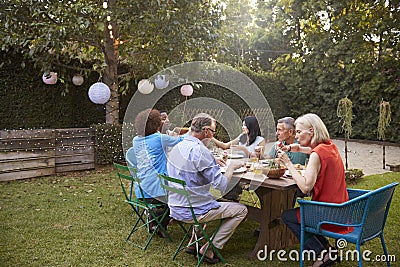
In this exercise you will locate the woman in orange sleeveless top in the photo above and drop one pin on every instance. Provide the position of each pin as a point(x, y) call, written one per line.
point(324, 178)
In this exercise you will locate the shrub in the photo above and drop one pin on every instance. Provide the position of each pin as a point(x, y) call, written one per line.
point(354, 175)
point(108, 143)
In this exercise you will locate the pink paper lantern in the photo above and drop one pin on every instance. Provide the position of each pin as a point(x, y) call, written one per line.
point(50, 78)
point(186, 90)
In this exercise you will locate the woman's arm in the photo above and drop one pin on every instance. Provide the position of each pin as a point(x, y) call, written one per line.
point(223, 145)
point(297, 148)
point(306, 182)
point(260, 147)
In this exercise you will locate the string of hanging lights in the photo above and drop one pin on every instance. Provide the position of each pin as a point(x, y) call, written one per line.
point(109, 26)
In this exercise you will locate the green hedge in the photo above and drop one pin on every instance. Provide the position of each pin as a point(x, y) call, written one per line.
point(28, 103)
point(108, 143)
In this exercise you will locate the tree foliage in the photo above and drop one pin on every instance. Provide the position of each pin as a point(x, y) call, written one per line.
point(123, 40)
point(332, 49)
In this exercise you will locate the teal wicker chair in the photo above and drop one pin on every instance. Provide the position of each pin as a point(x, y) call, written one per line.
point(365, 211)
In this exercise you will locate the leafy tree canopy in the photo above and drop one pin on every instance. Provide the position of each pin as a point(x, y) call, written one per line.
point(121, 39)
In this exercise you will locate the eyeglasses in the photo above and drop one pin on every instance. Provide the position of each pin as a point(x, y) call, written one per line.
point(206, 128)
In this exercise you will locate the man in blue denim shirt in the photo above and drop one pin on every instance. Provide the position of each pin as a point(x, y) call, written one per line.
point(191, 161)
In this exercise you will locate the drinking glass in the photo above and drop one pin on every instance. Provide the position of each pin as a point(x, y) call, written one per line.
point(258, 167)
point(253, 158)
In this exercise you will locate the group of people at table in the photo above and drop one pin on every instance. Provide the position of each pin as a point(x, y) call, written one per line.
point(186, 157)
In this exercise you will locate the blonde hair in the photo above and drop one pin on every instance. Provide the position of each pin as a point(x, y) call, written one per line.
point(312, 121)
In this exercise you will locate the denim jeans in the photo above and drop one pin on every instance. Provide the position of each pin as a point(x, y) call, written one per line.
point(317, 243)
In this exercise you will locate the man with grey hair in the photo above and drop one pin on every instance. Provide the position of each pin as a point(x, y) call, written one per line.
point(191, 161)
point(286, 133)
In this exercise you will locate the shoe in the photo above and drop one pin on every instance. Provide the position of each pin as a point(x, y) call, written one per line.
point(328, 261)
point(212, 260)
point(161, 234)
point(191, 251)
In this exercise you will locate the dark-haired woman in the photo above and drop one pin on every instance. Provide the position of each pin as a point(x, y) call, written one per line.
point(248, 140)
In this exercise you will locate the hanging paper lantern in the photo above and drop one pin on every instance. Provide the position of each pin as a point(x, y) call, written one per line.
point(49, 78)
point(77, 80)
point(145, 87)
point(99, 93)
point(186, 90)
point(161, 82)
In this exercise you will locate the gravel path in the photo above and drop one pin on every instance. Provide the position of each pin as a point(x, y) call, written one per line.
point(366, 156)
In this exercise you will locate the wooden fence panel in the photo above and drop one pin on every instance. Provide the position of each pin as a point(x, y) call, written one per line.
point(24, 154)
point(74, 149)
point(33, 153)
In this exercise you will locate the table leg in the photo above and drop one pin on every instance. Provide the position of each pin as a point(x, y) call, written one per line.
point(273, 233)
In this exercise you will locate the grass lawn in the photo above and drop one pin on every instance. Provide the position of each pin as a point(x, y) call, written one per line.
point(80, 219)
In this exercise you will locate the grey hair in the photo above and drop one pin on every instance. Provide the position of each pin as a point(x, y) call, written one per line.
point(288, 121)
point(200, 121)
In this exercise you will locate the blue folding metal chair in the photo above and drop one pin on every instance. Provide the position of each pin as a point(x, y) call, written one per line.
point(366, 211)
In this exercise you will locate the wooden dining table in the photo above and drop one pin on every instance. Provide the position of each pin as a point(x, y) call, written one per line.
point(275, 196)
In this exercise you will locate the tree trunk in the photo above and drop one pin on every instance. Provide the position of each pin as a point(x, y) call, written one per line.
point(111, 71)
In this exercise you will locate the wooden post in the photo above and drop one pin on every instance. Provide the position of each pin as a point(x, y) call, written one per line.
point(383, 123)
point(383, 154)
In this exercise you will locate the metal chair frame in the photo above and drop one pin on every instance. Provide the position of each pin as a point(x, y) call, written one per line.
point(146, 218)
point(196, 227)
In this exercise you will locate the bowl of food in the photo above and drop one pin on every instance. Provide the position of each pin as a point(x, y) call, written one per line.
point(276, 173)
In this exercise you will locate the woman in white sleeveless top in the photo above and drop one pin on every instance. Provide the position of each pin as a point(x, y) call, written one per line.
point(248, 140)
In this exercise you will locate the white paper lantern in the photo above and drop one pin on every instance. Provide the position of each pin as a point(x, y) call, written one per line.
point(77, 80)
point(145, 87)
point(99, 93)
point(161, 82)
point(50, 78)
point(186, 90)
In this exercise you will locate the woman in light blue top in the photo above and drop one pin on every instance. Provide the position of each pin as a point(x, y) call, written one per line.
point(149, 155)
point(248, 140)
point(150, 152)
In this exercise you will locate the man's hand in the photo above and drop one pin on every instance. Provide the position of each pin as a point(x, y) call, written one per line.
point(221, 162)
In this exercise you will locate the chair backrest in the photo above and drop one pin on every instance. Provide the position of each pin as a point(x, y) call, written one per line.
point(376, 211)
point(130, 157)
point(353, 193)
point(177, 186)
point(126, 173)
point(131, 160)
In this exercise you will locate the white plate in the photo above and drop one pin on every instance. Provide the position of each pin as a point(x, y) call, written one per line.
point(264, 161)
point(235, 156)
point(240, 170)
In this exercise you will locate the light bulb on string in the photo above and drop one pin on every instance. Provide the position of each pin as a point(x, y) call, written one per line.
point(105, 5)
